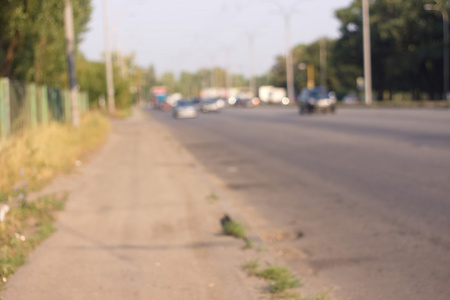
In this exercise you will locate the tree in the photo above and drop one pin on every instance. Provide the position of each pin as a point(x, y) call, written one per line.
point(32, 43)
point(406, 47)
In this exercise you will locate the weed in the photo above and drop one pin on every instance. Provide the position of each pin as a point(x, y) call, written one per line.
point(212, 197)
point(248, 243)
point(261, 249)
point(280, 278)
point(234, 228)
point(24, 228)
point(251, 267)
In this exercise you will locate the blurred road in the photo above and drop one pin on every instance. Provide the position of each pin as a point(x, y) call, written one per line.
point(361, 199)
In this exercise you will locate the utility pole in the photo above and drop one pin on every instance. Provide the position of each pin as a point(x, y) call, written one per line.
point(251, 60)
point(289, 67)
point(251, 49)
point(323, 62)
point(443, 9)
point(227, 50)
point(367, 54)
point(286, 13)
point(108, 63)
point(70, 53)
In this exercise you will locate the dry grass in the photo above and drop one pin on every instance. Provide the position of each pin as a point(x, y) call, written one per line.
point(28, 161)
point(37, 156)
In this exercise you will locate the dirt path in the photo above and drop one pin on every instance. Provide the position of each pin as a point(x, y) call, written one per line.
point(138, 225)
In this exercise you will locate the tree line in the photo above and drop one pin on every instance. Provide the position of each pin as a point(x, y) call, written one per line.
point(407, 53)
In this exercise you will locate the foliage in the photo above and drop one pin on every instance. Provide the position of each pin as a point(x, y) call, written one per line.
point(32, 39)
point(406, 47)
point(91, 78)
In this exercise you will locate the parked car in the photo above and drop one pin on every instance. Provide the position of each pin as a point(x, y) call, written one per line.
point(317, 99)
point(215, 105)
point(185, 109)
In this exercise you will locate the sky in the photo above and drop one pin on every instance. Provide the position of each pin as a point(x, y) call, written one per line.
point(187, 35)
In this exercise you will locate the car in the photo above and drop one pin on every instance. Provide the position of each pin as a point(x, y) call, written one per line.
point(350, 99)
point(197, 103)
point(215, 105)
point(245, 102)
point(185, 109)
point(317, 99)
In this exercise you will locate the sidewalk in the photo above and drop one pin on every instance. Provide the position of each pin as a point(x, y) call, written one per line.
point(138, 225)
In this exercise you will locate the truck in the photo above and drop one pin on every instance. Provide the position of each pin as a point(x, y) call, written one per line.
point(270, 94)
point(159, 96)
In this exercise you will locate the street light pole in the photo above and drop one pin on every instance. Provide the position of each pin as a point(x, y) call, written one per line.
point(108, 63)
point(289, 67)
point(442, 8)
point(286, 13)
point(323, 62)
point(70, 52)
point(251, 49)
point(446, 53)
point(251, 59)
point(367, 54)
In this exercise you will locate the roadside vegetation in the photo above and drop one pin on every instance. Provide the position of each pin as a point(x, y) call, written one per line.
point(25, 226)
point(281, 281)
point(33, 158)
point(29, 161)
point(234, 228)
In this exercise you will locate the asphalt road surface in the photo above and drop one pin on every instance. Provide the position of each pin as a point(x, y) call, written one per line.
point(361, 199)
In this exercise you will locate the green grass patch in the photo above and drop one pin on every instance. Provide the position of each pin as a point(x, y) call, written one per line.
point(280, 278)
point(248, 243)
point(251, 267)
point(25, 226)
point(234, 228)
point(212, 197)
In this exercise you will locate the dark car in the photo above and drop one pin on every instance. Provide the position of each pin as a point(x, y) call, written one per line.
point(215, 105)
point(317, 99)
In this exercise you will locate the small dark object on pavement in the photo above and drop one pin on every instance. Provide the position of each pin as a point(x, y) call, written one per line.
point(225, 220)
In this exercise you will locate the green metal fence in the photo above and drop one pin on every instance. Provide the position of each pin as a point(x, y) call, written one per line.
point(26, 105)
